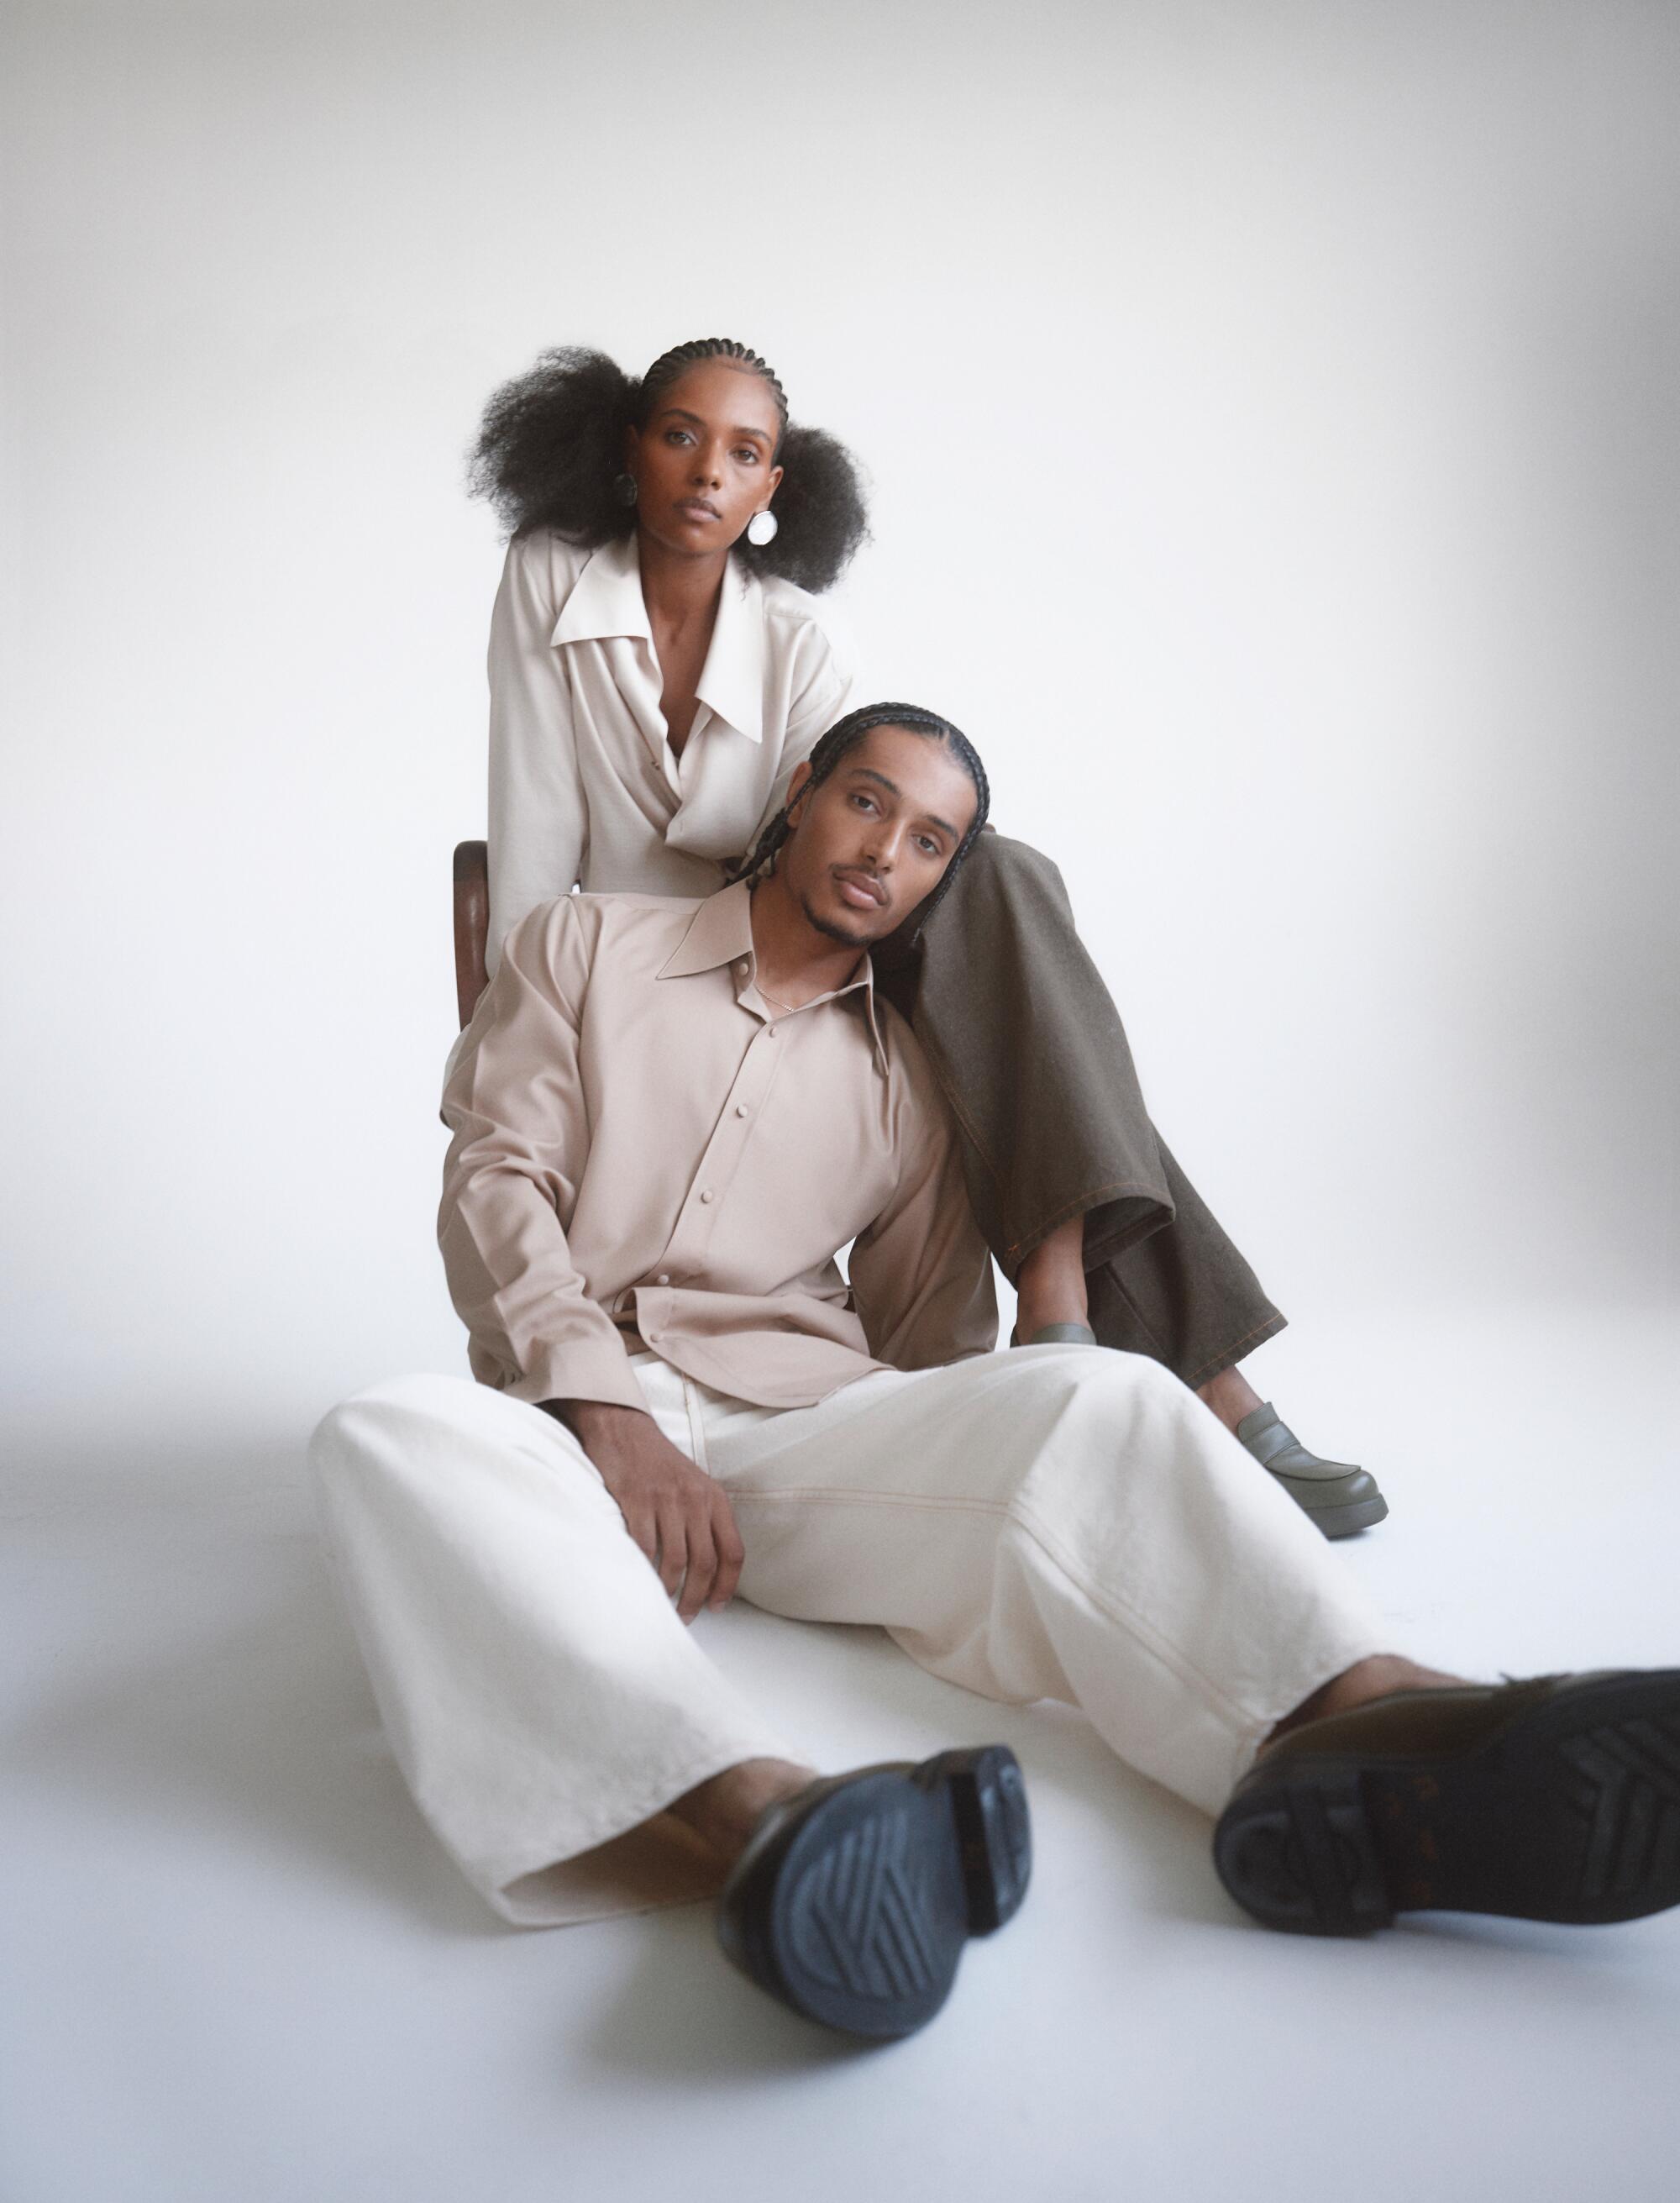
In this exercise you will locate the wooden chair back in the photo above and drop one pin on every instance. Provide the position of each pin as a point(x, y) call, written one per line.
point(472, 923)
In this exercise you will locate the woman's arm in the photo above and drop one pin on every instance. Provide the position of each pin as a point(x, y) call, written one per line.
point(819, 693)
point(539, 824)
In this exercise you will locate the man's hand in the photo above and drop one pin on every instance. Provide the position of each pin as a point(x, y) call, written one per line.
point(678, 1517)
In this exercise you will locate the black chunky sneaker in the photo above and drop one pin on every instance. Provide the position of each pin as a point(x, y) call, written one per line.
point(1556, 1798)
point(853, 1899)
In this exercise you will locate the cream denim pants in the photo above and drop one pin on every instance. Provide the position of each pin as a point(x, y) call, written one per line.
point(1052, 1522)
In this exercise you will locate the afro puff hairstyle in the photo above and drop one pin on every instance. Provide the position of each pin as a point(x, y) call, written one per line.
point(551, 445)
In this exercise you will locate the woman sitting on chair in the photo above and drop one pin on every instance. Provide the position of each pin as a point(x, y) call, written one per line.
point(658, 667)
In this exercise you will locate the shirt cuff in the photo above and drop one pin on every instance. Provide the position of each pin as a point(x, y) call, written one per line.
point(581, 1369)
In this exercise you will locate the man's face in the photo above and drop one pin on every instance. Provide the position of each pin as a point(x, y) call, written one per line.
point(873, 840)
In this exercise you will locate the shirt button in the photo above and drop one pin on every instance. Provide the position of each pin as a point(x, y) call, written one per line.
point(740, 1108)
point(706, 1196)
point(741, 966)
point(769, 1032)
point(664, 1277)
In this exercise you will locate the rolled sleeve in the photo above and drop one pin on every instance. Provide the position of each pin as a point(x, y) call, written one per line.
point(513, 1103)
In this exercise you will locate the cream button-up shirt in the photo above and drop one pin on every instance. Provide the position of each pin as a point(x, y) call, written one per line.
point(584, 789)
point(644, 1143)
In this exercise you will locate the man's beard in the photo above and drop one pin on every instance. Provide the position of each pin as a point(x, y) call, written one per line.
point(831, 929)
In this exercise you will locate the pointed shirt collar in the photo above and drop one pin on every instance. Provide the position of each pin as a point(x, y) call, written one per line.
point(720, 932)
point(606, 600)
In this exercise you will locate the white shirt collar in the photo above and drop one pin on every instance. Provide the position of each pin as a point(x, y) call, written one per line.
point(606, 600)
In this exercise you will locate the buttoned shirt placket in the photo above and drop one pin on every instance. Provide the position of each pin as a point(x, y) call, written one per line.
point(684, 1256)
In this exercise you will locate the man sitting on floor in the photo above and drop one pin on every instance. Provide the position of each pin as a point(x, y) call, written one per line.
point(668, 1119)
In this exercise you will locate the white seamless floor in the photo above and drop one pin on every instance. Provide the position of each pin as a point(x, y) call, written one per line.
point(236, 1968)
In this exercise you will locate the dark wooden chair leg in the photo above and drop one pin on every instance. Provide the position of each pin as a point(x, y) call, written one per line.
point(472, 923)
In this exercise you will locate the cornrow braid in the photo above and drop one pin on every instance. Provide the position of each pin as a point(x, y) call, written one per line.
point(670, 364)
point(843, 737)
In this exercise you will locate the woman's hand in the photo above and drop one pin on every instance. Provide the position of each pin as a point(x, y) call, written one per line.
point(676, 1514)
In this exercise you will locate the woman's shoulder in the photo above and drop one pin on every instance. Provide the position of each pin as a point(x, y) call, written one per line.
point(563, 589)
point(802, 631)
point(787, 605)
point(559, 559)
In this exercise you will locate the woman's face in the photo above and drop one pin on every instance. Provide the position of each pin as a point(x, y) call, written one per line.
point(702, 464)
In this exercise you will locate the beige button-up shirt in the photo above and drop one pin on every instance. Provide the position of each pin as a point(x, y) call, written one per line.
point(644, 1142)
point(584, 789)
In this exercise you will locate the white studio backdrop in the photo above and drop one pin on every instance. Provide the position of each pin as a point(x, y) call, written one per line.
point(1270, 411)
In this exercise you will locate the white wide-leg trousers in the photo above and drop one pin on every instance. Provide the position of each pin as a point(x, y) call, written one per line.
point(1053, 1522)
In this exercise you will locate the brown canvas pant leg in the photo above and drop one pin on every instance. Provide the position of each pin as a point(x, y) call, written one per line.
point(1031, 1053)
point(1185, 1295)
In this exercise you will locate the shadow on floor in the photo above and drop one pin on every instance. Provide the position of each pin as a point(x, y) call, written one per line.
point(217, 1688)
point(209, 1683)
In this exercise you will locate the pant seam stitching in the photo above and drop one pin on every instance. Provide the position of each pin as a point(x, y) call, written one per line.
point(1119, 1612)
point(838, 1495)
point(693, 1408)
point(1138, 1316)
point(1128, 1617)
point(1229, 1357)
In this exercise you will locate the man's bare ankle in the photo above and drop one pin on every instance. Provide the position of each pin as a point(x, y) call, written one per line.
point(725, 1809)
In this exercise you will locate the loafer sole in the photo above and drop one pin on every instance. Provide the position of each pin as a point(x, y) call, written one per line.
point(1342, 1521)
point(854, 1907)
point(1570, 1812)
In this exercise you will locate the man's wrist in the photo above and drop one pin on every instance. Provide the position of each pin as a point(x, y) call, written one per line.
point(583, 1417)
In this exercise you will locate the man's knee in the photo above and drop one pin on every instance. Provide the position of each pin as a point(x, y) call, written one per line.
point(1105, 1390)
point(362, 1429)
point(448, 1431)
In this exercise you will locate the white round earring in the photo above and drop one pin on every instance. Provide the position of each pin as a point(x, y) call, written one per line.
point(760, 529)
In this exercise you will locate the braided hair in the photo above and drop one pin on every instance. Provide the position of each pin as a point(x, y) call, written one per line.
point(842, 739)
point(550, 446)
point(670, 364)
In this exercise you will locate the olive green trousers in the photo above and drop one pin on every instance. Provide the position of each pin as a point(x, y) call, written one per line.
point(1030, 1048)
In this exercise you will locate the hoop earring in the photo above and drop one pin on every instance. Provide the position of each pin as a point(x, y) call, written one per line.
point(624, 489)
point(762, 528)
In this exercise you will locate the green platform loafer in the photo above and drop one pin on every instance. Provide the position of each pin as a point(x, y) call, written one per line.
point(1338, 1495)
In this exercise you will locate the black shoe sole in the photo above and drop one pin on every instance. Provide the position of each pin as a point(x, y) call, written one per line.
point(1571, 1812)
point(858, 1920)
